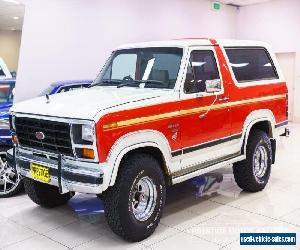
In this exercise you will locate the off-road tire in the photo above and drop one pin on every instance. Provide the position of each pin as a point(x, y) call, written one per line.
point(118, 198)
point(243, 171)
point(45, 195)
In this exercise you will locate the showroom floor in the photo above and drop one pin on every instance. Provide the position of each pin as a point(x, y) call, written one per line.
point(207, 212)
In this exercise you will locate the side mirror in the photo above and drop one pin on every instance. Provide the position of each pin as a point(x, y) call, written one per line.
point(213, 86)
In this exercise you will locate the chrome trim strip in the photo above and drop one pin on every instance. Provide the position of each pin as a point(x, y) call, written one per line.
point(205, 164)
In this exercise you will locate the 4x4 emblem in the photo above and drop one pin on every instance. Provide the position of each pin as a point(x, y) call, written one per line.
point(40, 135)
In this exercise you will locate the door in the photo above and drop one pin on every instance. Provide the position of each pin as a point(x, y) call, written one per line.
point(205, 119)
point(287, 65)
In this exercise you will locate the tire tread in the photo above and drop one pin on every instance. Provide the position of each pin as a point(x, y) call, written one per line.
point(243, 172)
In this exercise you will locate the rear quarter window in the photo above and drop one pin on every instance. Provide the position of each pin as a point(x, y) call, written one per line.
point(251, 64)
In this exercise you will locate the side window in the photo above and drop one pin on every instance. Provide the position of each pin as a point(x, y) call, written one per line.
point(251, 64)
point(202, 72)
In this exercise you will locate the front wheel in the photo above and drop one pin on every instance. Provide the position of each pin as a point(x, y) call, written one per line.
point(134, 205)
point(252, 174)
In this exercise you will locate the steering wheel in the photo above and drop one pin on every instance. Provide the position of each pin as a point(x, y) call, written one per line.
point(127, 78)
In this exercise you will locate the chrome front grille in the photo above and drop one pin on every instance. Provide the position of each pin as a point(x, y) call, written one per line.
point(56, 135)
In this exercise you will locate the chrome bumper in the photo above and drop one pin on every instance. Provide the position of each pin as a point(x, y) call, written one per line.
point(65, 173)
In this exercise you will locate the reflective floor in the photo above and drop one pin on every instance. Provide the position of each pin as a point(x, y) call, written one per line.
point(208, 212)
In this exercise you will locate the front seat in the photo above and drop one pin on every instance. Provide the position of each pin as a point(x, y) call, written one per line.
point(160, 75)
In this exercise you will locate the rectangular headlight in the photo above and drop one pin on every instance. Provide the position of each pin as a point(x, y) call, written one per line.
point(88, 132)
point(84, 134)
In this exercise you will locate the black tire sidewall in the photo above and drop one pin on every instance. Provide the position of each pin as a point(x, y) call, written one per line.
point(128, 221)
point(264, 141)
point(45, 195)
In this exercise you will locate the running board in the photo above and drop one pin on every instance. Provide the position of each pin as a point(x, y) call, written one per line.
point(200, 171)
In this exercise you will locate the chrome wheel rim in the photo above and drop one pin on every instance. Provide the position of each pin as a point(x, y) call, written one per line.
point(9, 179)
point(260, 161)
point(143, 198)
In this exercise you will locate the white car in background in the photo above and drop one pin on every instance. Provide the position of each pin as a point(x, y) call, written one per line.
point(4, 71)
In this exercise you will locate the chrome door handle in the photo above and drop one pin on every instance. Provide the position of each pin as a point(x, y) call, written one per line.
point(224, 99)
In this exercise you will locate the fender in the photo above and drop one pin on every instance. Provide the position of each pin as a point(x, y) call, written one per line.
point(253, 118)
point(135, 140)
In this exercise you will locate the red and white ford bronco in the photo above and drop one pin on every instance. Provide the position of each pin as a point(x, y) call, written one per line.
point(159, 113)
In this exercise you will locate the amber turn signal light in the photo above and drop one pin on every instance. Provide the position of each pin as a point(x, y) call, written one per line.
point(88, 153)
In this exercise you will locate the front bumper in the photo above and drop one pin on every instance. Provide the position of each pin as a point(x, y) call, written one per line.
point(67, 174)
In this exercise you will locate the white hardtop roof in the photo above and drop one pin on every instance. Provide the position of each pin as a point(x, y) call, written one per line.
point(182, 43)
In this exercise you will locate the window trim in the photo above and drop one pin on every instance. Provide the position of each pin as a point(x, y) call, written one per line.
point(201, 94)
point(250, 83)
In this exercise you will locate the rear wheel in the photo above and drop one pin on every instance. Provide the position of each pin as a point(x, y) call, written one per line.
point(253, 173)
point(45, 195)
point(134, 205)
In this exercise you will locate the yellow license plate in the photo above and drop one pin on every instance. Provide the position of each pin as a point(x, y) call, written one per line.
point(39, 172)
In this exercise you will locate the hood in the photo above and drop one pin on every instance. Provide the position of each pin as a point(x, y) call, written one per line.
point(90, 103)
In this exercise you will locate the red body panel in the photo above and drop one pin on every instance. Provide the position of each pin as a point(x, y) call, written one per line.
point(192, 130)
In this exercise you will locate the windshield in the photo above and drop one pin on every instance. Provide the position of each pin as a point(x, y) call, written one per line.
point(142, 67)
point(6, 92)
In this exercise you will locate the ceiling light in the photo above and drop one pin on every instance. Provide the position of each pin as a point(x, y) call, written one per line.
point(12, 1)
point(16, 17)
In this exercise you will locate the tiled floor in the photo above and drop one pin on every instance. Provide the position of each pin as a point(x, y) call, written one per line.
point(212, 220)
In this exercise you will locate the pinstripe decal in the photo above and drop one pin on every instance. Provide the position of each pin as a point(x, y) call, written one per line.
point(205, 145)
point(146, 119)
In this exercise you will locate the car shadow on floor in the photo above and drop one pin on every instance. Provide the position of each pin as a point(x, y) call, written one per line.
point(196, 191)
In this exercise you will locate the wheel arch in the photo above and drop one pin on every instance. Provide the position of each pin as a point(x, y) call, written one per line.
point(145, 141)
point(259, 119)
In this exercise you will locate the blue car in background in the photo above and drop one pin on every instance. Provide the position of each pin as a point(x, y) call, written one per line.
point(7, 87)
point(10, 183)
point(65, 86)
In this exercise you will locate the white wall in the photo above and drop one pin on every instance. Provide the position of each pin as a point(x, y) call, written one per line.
point(71, 39)
point(9, 48)
point(276, 22)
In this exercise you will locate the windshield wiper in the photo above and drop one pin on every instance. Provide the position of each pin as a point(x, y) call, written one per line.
point(106, 83)
point(128, 83)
